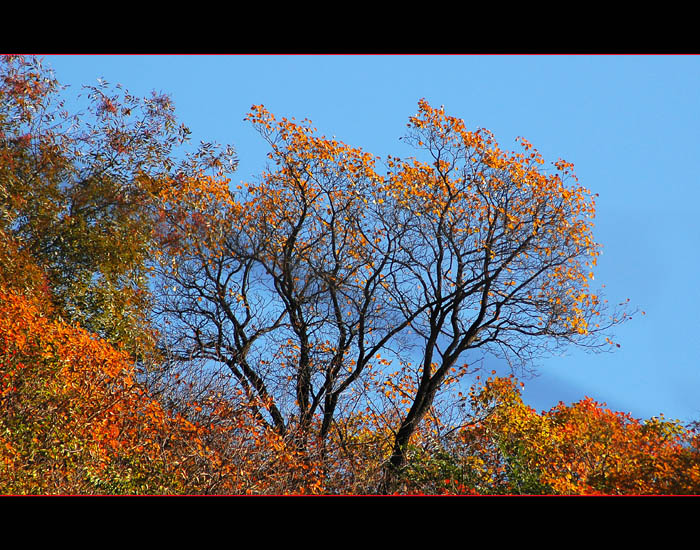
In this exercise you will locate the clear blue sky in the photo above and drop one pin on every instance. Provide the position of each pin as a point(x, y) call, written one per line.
point(630, 124)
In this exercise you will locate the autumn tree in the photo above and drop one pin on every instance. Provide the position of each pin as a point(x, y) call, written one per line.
point(76, 192)
point(304, 281)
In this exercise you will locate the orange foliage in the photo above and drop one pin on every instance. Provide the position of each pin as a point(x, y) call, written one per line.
point(583, 448)
point(74, 418)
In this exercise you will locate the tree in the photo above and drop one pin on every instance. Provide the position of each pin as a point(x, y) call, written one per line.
point(300, 282)
point(77, 193)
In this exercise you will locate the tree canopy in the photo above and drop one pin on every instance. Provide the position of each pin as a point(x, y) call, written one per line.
point(302, 281)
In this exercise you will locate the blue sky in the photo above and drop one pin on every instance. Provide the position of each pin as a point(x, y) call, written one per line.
point(630, 125)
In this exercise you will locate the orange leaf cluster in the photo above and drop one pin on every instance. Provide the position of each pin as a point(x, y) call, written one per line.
point(582, 448)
